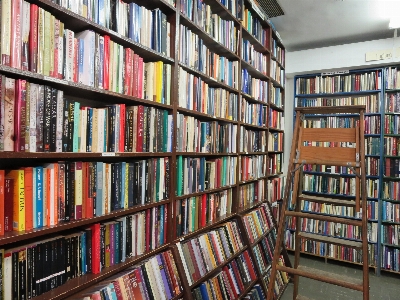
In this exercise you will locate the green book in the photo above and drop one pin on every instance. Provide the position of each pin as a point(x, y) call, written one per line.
point(179, 176)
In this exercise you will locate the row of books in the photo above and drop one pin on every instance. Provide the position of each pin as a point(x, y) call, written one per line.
point(276, 119)
point(256, 88)
point(253, 167)
point(275, 141)
point(197, 95)
point(275, 163)
point(392, 124)
point(390, 234)
point(280, 282)
point(391, 212)
point(256, 59)
point(278, 52)
point(264, 251)
point(33, 269)
point(200, 174)
point(86, 57)
point(195, 54)
point(207, 251)
point(276, 96)
point(340, 83)
point(33, 197)
point(340, 210)
point(329, 185)
point(373, 145)
point(392, 104)
point(391, 190)
point(258, 222)
point(253, 25)
point(330, 122)
point(391, 78)
point(196, 212)
point(372, 102)
point(390, 258)
point(332, 251)
point(194, 135)
point(372, 168)
point(252, 193)
point(392, 167)
point(230, 282)
point(277, 73)
point(276, 189)
point(254, 114)
point(253, 140)
point(223, 31)
point(154, 278)
point(391, 146)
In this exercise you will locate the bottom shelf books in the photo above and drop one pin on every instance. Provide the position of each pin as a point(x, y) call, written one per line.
point(33, 269)
point(155, 278)
point(256, 293)
point(281, 280)
point(390, 259)
point(230, 282)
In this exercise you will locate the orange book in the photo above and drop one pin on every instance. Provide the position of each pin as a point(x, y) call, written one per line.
point(54, 200)
point(2, 182)
point(47, 191)
point(18, 199)
point(28, 183)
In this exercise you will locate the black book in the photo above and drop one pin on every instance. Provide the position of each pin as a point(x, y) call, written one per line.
point(81, 267)
point(131, 176)
point(114, 16)
point(111, 128)
point(29, 274)
point(178, 217)
point(38, 257)
point(53, 263)
point(147, 281)
point(61, 254)
point(102, 245)
point(146, 125)
point(166, 178)
point(89, 250)
point(46, 265)
point(15, 269)
point(22, 274)
point(147, 182)
point(68, 258)
point(71, 109)
point(121, 240)
point(129, 130)
point(128, 236)
point(65, 137)
point(140, 180)
point(53, 119)
point(74, 256)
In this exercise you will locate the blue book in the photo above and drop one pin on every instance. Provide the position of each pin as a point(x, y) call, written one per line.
point(162, 217)
point(116, 243)
point(203, 291)
point(81, 46)
point(123, 233)
point(39, 197)
point(89, 129)
point(34, 193)
point(202, 173)
point(101, 58)
point(83, 248)
point(100, 13)
point(122, 177)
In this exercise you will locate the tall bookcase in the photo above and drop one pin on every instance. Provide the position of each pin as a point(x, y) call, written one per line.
point(170, 126)
point(354, 87)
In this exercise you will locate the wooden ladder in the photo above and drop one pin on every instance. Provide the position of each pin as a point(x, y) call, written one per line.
point(310, 146)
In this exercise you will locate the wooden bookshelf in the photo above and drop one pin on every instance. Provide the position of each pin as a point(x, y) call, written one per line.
point(97, 97)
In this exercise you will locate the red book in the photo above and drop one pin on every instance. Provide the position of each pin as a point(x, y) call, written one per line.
point(128, 72)
point(106, 63)
point(28, 186)
point(2, 188)
point(196, 275)
point(95, 248)
point(229, 282)
point(16, 33)
point(132, 78)
point(140, 79)
point(122, 127)
point(203, 219)
point(76, 61)
point(33, 39)
point(171, 273)
point(20, 115)
point(239, 278)
point(139, 134)
point(8, 204)
point(136, 281)
point(148, 231)
point(249, 265)
point(127, 285)
point(136, 74)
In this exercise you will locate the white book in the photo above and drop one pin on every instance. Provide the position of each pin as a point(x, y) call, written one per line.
point(158, 278)
point(185, 267)
point(86, 59)
point(70, 54)
point(34, 94)
point(7, 279)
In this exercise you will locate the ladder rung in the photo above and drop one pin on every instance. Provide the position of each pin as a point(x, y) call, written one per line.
point(323, 276)
point(355, 109)
point(330, 239)
point(323, 218)
point(327, 200)
point(328, 162)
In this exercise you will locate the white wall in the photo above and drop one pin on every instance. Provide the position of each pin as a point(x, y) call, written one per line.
point(342, 57)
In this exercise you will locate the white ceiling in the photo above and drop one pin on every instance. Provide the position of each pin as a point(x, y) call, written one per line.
point(309, 24)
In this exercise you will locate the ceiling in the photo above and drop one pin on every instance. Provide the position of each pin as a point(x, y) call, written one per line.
point(308, 24)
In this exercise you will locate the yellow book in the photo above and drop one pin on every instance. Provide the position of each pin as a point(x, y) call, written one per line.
point(46, 52)
point(156, 82)
point(126, 176)
point(210, 251)
point(18, 199)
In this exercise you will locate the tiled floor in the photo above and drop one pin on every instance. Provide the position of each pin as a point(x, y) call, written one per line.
point(386, 286)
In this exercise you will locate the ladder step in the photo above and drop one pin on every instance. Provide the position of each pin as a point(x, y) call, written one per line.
point(323, 276)
point(327, 200)
point(329, 239)
point(289, 213)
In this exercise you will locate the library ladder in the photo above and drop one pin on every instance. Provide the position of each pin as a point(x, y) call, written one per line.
point(347, 151)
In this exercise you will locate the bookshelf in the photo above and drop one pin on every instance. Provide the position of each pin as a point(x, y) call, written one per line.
point(156, 132)
point(343, 88)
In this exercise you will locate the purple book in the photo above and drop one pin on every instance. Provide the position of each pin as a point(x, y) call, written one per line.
point(112, 244)
point(164, 277)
